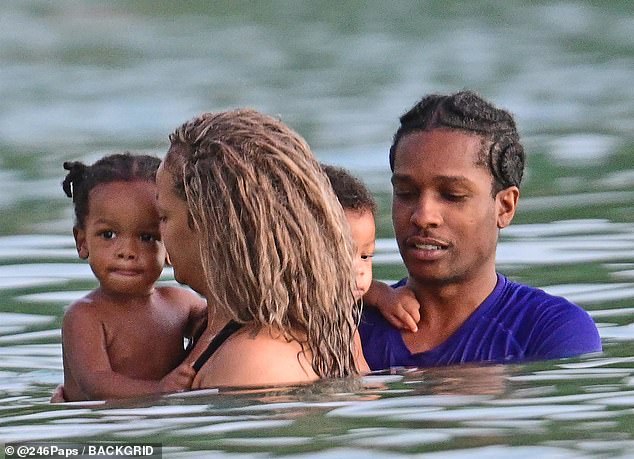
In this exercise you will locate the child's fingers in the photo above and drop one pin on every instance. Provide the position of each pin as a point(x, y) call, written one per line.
point(414, 312)
point(58, 395)
point(393, 320)
point(407, 320)
point(188, 370)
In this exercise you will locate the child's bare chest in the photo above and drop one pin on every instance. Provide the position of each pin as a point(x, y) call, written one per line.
point(145, 346)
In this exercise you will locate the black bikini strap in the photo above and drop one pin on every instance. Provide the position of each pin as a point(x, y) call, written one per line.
point(215, 343)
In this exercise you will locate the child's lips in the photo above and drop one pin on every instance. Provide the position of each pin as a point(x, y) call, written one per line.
point(126, 272)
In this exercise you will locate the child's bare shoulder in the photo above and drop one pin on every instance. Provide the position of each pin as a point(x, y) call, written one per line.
point(180, 297)
point(86, 307)
point(85, 315)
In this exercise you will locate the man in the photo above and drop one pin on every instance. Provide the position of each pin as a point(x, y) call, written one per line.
point(457, 164)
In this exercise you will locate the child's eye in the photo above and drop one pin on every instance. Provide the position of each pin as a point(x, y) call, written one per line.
point(367, 257)
point(108, 234)
point(149, 238)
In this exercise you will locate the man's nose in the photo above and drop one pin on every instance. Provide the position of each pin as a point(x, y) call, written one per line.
point(427, 212)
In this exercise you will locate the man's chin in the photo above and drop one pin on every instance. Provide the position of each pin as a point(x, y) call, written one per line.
point(431, 278)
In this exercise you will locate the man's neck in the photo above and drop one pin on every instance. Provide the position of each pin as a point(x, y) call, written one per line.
point(445, 307)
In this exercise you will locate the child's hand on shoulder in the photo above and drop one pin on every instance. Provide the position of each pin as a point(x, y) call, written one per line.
point(403, 310)
point(180, 378)
point(398, 305)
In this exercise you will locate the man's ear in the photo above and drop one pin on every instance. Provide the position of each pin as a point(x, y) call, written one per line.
point(80, 242)
point(167, 259)
point(506, 203)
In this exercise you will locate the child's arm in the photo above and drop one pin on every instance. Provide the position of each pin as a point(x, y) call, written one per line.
point(398, 305)
point(86, 359)
point(197, 321)
point(359, 358)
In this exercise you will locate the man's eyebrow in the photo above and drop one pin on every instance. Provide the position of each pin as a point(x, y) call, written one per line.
point(396, 177)
point(454, 179)
point(441, 178)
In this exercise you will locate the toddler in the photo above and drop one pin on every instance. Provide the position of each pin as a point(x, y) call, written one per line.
point(397, 305)
point(126, 337)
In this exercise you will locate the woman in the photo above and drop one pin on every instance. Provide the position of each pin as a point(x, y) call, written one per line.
point(251, 223)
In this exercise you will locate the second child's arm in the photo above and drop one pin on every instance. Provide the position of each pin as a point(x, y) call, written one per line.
point(398, 305)
point(86, 358)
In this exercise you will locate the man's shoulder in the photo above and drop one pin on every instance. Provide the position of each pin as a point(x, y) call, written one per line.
point(522, 295)
point(538, 306)
point(557, 326)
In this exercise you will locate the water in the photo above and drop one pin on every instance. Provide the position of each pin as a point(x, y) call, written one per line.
point(82, 78)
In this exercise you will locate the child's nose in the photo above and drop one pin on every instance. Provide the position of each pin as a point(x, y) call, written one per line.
point(126, 249)
point(362, 273)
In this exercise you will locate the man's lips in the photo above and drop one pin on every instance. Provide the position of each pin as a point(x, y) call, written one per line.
point(426, 243)
point(426, 248)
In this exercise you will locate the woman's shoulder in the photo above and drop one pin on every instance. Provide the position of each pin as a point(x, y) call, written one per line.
point(265, 358)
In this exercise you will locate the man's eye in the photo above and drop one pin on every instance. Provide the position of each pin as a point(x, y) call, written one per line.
point(404, 194)
point(454, 196)
point(108, 234)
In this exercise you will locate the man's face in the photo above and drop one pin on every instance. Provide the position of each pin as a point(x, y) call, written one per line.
point(445, 220)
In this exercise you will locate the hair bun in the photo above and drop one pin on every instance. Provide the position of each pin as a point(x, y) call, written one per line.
point(76, 174)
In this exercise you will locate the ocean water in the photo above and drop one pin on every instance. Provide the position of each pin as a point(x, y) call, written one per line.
point(79, 79)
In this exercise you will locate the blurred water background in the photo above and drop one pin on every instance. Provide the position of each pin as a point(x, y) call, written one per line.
point(79, 79)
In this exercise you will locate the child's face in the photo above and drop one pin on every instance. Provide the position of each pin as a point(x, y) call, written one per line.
point(364, 235)
point(121, 238)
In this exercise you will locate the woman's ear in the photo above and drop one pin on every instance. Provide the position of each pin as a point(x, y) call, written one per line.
point(80, 242)
point(506, 203)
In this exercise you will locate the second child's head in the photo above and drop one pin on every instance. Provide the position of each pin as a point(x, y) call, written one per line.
point(360, 208)
point(116, 221)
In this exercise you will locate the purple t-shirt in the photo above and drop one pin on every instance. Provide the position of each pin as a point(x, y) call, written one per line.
point(514, 323)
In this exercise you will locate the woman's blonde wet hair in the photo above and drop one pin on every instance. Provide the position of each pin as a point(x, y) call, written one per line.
point(275, 247)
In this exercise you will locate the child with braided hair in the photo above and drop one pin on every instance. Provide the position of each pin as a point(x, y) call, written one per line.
point(126, 337)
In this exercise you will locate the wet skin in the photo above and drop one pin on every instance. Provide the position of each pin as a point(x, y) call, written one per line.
point(363, 231)
point(446, 222)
